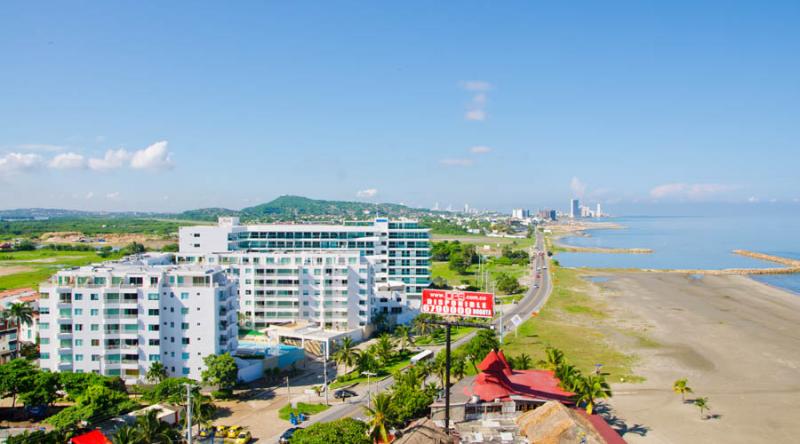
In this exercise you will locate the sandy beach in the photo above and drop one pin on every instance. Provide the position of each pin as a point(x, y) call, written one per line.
point(736, 340)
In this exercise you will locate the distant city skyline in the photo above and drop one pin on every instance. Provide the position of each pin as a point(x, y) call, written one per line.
point(163, 107)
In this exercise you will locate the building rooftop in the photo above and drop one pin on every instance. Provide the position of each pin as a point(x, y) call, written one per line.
point(498, 381)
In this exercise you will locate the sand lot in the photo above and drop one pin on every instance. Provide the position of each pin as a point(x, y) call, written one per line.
point(736, 340)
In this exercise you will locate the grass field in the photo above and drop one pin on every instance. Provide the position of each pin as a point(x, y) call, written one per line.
point(384, 372)
point(485, 244)
point(441, 269)
point(36, 266)
point(308, 409)
point(572, 321)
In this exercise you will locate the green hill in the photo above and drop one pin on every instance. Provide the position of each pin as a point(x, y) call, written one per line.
point(297, 206)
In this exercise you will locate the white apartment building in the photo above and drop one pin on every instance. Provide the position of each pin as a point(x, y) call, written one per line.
point(117, 318)
point(336, 290)
point(400, 249)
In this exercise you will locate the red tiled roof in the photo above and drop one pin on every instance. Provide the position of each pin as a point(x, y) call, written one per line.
point(606, 431)
point(93, 437)
point(17, 291)
point(498, 381)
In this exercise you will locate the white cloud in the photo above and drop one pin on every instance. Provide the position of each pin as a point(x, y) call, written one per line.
point(476, 108)
point(113, 159)
point(18, 162)
point(480, 149)
point(752, 199)
point(476, 85)
point(477, 115)
point(113, 195)
point(368, 193)
point(456, 162)
point(67, 161)
point(578, 188)
point(89, 195)
point(690, 191)
point(154, 157)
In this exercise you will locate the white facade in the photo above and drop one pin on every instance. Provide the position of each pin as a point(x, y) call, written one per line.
point(400, 249)
point(119, 317)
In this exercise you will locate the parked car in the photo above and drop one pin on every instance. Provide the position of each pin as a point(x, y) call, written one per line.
point(221, 431)
point(344, 394)
point(244, 437)
point(234, 431)
point(287, 435)
point(206, 432)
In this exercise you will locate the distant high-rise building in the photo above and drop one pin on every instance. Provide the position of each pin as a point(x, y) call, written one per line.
point(598, 212)
point(553, 215)
point(466, 208)
point(574, 208)
point(520, 213)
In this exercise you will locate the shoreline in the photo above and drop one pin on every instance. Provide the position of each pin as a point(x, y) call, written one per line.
point(720, 332)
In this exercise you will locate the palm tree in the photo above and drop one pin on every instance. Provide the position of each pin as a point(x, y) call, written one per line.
point(380, 417)
point(156, 373)
point(384, 348)
point(569, 376)
point(681, 386)
point(202, 410)
point(20, 313)
point(126, 435)
point(554, 358)
point(702, 404)
point(153, 431)
point(346, 354)
point(589, 389)
point(422, 326)
point(403, 334)
point(365, 362)
point(522, 362)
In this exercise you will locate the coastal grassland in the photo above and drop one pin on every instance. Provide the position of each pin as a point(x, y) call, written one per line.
point(33, 267)
point(495, 244)
point(442, 270)
point(91, 226)
point(578, 324)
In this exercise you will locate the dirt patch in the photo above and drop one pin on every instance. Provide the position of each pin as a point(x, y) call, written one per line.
point(111, 239)
point(14, 269)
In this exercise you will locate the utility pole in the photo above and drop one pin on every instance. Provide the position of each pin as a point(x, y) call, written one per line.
point(325, 372)
point(188, 413)
point(447, 326)
point(288, 390)
point(369, 388)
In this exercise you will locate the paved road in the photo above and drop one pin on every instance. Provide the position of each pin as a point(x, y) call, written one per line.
point(532, 302)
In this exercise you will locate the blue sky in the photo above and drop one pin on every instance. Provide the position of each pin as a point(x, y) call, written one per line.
point(154, 106)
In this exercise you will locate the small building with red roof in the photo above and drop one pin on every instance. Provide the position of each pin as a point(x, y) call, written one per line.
point(500, 392)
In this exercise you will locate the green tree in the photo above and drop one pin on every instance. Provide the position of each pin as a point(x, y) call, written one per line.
point(481, 344)
point(681, 386)
point(97, 403)
point(172, 391)
point(156, 373)
point(42, 389)
point(152, 430)
point(381, 417)
point(459, 367)
point(554, 358)
point(421, 325)
point(702, 404)
point(384, 349)
point(403, 335)
point(458, 263)
point(366, 362)
point(340, 431)
point(522, 362)
point(589, 389)
point(221, 371)
point(569, 376)
point(134, 248)
point(507, 284)
point(15, 378)
point(126, 435)
point(19, 313)
point(347, 354)
point(202, 410)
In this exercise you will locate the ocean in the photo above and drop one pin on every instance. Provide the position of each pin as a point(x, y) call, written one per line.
point(694, 242)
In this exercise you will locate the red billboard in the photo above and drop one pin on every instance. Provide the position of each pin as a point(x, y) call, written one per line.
point(458, 303)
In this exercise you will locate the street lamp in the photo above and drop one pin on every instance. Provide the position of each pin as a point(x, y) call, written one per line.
point(369, 388)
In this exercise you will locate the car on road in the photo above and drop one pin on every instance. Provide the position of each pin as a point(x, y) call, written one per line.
point(344, 394)
point(222, 430)
point(287, 435)
point(244, 437)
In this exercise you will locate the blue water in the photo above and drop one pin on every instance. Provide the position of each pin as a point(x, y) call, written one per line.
point(703, 242)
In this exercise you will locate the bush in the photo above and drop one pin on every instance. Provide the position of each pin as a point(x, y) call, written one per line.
point(341, 431)
point(222, 394)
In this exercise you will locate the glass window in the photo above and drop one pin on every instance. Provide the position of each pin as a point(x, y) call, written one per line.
point(152, 296)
